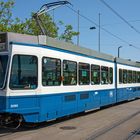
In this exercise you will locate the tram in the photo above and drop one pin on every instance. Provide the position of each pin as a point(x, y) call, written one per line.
point(44, 79)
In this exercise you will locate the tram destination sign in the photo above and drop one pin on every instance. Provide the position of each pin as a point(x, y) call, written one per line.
point(3, 42)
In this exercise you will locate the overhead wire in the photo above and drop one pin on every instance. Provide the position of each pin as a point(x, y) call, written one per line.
point(119, 23)
point(115, 36)
point(122, 18)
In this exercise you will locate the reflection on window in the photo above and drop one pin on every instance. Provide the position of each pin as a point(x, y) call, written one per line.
point(134, 76)
point(84, 73)
point(24, 72)
point(95, 74)
point(110, 75)
point(69, 72)
point(124, 76)
point(51, 71)
point(129, 77)
point(104, 75)
point(120, 76)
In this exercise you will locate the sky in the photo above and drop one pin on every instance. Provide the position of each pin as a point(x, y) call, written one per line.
point(128, 9)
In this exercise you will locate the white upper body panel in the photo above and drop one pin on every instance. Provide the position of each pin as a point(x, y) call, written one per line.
point(121, 66)
point(63, 55)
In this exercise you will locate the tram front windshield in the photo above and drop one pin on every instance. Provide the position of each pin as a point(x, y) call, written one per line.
point(3, 66)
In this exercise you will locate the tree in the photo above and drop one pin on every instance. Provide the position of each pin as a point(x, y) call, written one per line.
point(68, 34)
point(7, 24)
point(29, 26)
point(50, 27)
point(6, 14)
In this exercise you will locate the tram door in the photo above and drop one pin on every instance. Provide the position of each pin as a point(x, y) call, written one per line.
point(96, 99)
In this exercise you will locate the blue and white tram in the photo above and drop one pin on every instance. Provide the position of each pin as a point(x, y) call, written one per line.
point(128, 80)
point(44, 79)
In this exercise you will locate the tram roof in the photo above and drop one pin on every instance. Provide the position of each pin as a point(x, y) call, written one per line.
point(55, 43)
point(48, 41)
point(127, 62)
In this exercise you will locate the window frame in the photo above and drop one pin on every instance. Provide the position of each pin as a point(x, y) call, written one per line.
point(125, 70)
point(79, 73)
point(91, 70)
point(107, 76)
point(60, 72)
point(120, 76)
point(129, 76)
point(76, 73)
point(134, 76)
point(6, 71)
point(138, 76)
point(11, 72)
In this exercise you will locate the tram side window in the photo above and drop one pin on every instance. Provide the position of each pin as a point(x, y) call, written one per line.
point(138, 77)
point(110, 75)
point(120, 76)
point(134, 76)
point(51, 71)
point(84, 74)
point(24, 72)
point(124, 76)
point(104, 75)
point(69, 72)
point(129, 76)
point(95, 74)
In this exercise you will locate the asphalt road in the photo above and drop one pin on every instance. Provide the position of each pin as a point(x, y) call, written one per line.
point(121, 122)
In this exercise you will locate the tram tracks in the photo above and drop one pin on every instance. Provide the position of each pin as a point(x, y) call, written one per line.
point(105, 130)
point(6, 132)
point(133, 134)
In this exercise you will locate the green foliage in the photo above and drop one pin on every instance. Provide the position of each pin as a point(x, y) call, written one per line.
point(29, 26)
point(6, 14)
point(5, 11)
point(49, 26)
point(68, 34)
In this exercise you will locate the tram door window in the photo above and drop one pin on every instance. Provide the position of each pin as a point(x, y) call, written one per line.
point(95, 74)
point(124, 76)
point(24, 72)
point(84, 74)
point(51, 71)
point(104, 75)
point(120, 76)
point(69, 72)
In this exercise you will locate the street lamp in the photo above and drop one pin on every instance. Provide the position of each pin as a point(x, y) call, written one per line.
point(92, 28)
point(119, 51)
point(99, 33)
